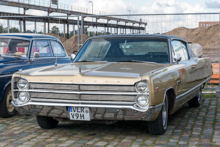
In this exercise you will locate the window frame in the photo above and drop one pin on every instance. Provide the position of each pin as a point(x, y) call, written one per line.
point(184, 43)
point(41, 56)
point(65, 54)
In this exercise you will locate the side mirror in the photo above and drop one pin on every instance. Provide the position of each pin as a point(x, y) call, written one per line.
point(177, 58)
point(73, 56)
point(36, 55)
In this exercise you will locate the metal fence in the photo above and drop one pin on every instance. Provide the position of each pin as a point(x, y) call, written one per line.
point(200, 28)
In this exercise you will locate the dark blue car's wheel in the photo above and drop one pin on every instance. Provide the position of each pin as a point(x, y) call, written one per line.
point(6, 108)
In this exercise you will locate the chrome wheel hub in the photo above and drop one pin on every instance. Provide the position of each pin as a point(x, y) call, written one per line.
point(9, 105)
point(164, 116)
point(199, 96)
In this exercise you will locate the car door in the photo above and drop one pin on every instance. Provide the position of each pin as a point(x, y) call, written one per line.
point(46, 55)
point(59, 52)
point(187, 67)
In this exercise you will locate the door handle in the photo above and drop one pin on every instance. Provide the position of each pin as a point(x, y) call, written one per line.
point(193, 66)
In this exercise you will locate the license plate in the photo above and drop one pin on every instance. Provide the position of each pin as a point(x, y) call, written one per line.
point(79, 113)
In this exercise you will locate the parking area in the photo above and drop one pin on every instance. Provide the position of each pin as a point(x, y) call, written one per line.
point(187, 127)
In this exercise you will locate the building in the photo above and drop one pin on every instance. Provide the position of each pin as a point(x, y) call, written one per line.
point(208, 24)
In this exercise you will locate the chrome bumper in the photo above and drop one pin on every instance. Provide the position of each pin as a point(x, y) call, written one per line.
point(97, 112)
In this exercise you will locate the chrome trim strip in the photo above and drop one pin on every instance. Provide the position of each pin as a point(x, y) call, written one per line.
point(72, 101)
point(5, 75)
point(71, 83)
point(84, 92)
point(91, 106)
point(181, 95)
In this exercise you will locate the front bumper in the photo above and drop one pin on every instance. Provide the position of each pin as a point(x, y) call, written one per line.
point(97, 112)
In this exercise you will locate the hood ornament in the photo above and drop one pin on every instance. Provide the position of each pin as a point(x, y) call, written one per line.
point(125, 68)
point(80, 69)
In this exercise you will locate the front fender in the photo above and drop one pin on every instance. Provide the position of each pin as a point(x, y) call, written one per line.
point(5, 82)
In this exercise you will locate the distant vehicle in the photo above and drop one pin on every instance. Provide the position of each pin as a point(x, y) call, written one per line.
point(115, 77)
point(20, 52)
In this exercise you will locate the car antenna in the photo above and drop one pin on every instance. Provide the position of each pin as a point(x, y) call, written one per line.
point(58, 38)
point(80, 69)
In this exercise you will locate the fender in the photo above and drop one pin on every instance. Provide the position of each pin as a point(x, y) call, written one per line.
point(3, 91)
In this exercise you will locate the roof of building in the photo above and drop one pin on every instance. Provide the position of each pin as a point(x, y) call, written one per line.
point(27, 35)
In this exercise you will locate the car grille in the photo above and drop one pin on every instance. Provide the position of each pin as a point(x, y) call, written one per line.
point(51, 92)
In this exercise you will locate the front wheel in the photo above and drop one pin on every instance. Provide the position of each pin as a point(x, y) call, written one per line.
point(196, 101)
point(159, 126)
point(6, 108)
point(46, 122)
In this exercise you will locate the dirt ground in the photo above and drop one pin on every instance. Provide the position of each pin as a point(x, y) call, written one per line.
point(208, 38)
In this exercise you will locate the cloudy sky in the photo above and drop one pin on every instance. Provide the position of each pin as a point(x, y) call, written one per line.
point(137, 7)
point(150, 6)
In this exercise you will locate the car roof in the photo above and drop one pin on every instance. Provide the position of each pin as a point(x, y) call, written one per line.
point(27, 36)
point(140, 35)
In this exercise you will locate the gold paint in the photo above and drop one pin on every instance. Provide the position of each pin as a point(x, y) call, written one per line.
point(164, 78)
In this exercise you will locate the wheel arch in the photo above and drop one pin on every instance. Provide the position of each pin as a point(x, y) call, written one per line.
point(4, 89)
point(171, 96)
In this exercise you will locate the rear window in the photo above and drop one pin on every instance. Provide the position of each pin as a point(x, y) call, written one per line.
point(12, 47)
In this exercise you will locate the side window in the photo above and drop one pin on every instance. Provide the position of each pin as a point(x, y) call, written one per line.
point(41, 46)
point(180, 48)
point(57, 48)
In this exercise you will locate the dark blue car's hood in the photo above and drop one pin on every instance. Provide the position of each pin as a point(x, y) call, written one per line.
point(9, 59)
point(10, 64)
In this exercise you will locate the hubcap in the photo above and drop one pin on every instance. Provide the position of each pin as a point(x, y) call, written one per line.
point(164, 115)
point(199, 96)
point(9, 105)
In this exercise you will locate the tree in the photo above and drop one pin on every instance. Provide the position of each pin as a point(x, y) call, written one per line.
point(1, 29)
point(28, 31)
point(55, 30)
point(14, 30)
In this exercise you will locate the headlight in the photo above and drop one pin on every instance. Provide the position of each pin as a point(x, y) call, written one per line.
point(142, 86)
point(142, 100)
point(23, 97)
point(22, 84)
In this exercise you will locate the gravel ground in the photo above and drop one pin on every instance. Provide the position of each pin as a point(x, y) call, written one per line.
point(187, 127)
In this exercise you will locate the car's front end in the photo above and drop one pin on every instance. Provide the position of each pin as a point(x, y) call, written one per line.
point(81, 97)
point(13, 55)
point(111, 79)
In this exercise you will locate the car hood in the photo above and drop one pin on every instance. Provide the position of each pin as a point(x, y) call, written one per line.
point(9, 59)
point(97, 69)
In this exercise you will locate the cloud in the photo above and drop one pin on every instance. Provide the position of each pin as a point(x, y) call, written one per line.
point(122, 7)
point(106, 6)
point(212, 5)
point(36, 12)
point(170, 6)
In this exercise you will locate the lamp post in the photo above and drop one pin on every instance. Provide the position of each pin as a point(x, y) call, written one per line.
point(92, 10)
point(92, 5)
point(129, 11)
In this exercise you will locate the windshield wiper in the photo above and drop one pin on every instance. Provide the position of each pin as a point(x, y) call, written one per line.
point(138, 61)
point(90, 61)
point(130, 61)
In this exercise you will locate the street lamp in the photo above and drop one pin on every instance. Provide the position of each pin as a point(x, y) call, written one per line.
point(92, 10)
point(129, 11)
point(92, 5)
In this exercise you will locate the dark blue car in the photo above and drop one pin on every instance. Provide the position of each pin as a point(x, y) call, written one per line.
point(25, 51)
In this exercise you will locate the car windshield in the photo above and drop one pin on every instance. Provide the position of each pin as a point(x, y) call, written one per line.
point(13, 47)
point(125, 50)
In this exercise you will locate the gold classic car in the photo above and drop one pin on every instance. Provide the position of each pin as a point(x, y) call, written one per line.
point(115, 77)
